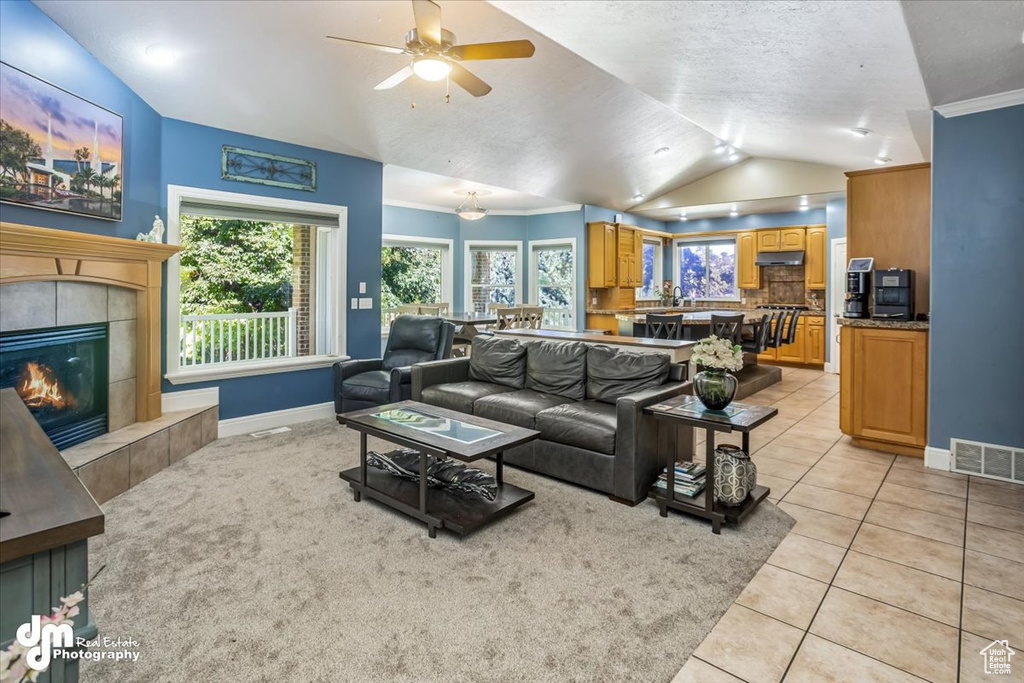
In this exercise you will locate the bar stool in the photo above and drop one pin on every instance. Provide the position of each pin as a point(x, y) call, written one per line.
point(665, 326)
point(728, 327)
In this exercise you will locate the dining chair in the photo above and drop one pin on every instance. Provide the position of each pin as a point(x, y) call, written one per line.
point(509, 317)
point(665, 326)
point(409, 309)
point(430, 310)
point(532, 317)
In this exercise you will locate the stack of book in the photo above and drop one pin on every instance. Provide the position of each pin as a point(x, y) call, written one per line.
point(689, 479)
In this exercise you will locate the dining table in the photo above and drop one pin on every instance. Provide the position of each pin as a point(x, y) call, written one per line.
point(466, 322)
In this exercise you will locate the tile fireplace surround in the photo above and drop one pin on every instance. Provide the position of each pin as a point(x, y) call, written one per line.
point(52, 278)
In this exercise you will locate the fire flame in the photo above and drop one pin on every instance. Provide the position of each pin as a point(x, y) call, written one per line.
point(40, 388)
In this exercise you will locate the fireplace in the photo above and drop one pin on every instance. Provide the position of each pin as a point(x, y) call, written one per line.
point(61, 375)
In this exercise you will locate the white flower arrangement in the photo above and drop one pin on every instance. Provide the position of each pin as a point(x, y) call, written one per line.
point(712, 352)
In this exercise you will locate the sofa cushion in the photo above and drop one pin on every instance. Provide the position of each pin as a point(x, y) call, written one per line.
point(613, 373)
point(460, 396)
point(586, 424)
point(518, 408)
point(498, 361)
point(558, 368)
point(373, 386)
point(412, 339)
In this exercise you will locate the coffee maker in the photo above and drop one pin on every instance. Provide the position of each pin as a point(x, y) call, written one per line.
point(858, 287)
point(894, 294)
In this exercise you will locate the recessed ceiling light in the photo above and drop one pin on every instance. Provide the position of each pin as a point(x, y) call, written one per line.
point(734, 156)
point(721, 147)
point(733, 213)
point(639, 196)
point(161, 55)
point(804, 207)
point(882, 161)
point(861, 132)
point(661, 150)
point(683, 217)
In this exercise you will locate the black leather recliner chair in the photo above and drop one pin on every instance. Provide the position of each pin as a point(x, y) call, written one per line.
point(366, 383)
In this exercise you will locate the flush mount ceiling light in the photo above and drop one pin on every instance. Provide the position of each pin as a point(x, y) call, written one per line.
point(430, 68)
point(161, 55)
point(661, 150)
point(474, 211)
point(860, 132)
point(882, 161)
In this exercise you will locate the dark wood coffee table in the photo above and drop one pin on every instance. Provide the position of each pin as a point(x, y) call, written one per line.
point(440, 432)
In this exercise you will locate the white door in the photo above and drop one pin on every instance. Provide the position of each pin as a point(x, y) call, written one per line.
point(837, 296)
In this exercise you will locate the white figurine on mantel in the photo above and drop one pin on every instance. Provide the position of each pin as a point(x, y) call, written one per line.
point(154, 235)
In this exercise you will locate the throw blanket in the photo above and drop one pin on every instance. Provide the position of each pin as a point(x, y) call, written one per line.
point(441, 472)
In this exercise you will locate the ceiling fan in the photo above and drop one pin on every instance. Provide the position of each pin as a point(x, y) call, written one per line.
point(435, 54)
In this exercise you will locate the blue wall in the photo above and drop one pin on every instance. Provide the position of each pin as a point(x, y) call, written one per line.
point(192, 157)
point(976, 368)
point(29, 40)
point(751, 221)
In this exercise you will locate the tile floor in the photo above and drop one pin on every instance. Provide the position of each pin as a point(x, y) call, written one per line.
point(893, 572)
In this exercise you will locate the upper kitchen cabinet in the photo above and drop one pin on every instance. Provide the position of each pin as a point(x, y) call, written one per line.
point(748, 272)
point(628, 269)
point(602, 243)
point(784, 239)
point(816, 258)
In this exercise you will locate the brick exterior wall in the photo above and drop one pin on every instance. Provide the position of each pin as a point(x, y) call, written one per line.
point(302, 285)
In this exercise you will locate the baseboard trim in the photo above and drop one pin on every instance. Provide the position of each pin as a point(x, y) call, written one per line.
point(938, 458)
point(187, 400)
point(276, 418)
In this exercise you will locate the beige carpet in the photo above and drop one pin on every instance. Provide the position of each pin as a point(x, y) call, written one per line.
point(249, 561)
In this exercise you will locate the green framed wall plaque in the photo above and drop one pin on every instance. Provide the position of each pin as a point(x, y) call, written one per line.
point(249, 166)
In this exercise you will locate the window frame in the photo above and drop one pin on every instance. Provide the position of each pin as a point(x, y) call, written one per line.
point(467, 268)
point(337, 278)
point(659, 268)
point(707, 241)
point(447, 247)
point(535, 280)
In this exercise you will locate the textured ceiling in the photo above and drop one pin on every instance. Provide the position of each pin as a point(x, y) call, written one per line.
point(967, 49)
point(779, 79)
point(405, 186)
point(554, 125)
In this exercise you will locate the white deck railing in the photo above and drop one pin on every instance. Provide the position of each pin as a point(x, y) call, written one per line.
point(232, 337)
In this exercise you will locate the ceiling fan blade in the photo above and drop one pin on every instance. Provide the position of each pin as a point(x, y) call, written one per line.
point(510, 49)
point(467, 81)
point(428, 21)
point(375, 46)
point(395, 79)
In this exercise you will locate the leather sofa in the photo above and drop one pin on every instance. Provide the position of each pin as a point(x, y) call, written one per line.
point(372, 382)
point(586, 401)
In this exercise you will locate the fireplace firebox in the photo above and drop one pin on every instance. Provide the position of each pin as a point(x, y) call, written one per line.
point(61, 374)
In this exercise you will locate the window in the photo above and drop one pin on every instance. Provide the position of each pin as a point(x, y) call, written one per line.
point(414, 270)
point(553, 278)
point(493, 274)
point(707, 269)
point(651, 267)
point(257, 286)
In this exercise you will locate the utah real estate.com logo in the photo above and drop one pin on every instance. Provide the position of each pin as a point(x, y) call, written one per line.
point(42, 639)
point(997, 657)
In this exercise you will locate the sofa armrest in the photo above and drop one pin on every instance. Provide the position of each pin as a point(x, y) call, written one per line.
point(438, 372)
point(350, 368)
point(399, 376)
point(639, 451)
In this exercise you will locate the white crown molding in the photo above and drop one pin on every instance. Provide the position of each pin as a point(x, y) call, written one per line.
point(937, 458)
point(277, 418)
point(1009, 98)
point(491, 212)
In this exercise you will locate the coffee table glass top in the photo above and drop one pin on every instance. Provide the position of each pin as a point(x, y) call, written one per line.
point(463, 432)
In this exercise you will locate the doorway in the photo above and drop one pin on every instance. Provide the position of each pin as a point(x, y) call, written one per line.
point(837, 295)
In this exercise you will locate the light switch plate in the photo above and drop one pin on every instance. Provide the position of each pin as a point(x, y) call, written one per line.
point(366, 302)
point(362, 288)
point(355, 303)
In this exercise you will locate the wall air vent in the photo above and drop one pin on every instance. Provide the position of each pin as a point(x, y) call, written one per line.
point(988, 460)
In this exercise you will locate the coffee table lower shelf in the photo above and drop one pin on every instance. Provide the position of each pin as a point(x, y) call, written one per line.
point(719, 513)
point(458, 512)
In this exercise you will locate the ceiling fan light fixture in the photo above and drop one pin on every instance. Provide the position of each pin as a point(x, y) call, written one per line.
point(474, 211)
point(431, 67)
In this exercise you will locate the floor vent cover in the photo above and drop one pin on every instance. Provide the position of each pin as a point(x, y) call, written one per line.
point(988, 460)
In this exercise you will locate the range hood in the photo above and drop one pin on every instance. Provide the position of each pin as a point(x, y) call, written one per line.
point(780, 258)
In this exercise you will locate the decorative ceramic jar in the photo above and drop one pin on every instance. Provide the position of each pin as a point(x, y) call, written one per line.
point(715, 388)
point(735, 474)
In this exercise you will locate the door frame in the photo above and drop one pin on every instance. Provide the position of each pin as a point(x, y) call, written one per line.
point(836, 295)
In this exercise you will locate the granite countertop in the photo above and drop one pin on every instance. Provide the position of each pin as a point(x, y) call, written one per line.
point(882, 323)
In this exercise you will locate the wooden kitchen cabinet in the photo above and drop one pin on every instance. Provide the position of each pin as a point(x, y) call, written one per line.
point(768, 240)
point(630, 250)
point(808, 348)
point(784, 239)
point(814, 341)
point(748, 272)
point(794, 353)
point(883, 388)
point(816, 258)
point(602, 251)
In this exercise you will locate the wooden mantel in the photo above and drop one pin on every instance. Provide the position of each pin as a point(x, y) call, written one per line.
point(29, 253)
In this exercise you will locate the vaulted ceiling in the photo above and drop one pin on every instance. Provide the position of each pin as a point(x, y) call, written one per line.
point(610, 83)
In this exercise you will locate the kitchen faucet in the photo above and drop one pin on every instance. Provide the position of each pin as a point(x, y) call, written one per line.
point(677, 300)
